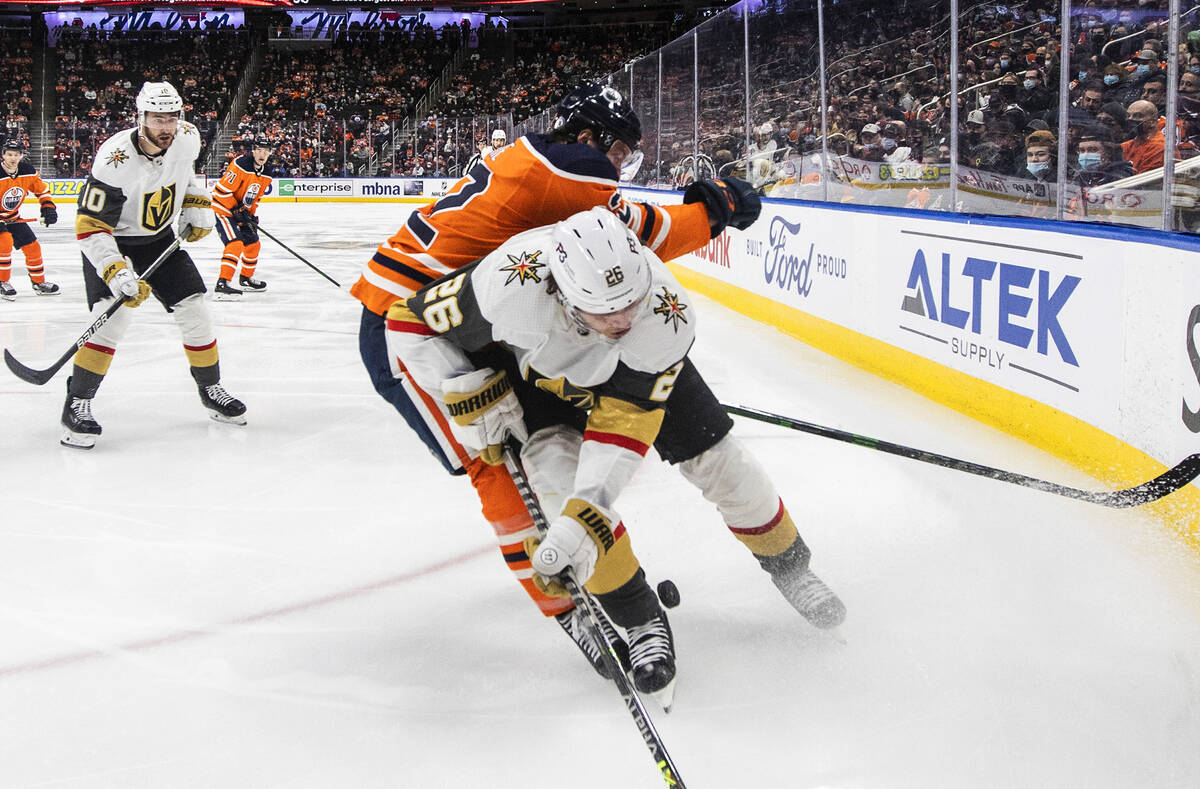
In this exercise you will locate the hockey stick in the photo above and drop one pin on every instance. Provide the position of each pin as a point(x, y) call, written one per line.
point(297, 255)
point(1168, 482)
point(658, 751)
point(40, 377)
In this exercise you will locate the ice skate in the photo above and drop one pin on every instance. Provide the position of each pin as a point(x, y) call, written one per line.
point(79, 428)
point(226, 292)
point(45, 289)
point(222, 406)
point(7, 291)
point(652, 657)
point(251, 284)
point(809, 595)
point(572, 622)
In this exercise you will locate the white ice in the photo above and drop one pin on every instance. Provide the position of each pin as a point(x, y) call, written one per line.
point(309, 601)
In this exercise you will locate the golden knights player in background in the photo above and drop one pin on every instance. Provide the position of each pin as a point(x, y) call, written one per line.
point(235, 202)
point(141, 183)
point(18, 178)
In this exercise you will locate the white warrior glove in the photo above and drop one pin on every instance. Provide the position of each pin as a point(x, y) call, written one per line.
point(575, 539)
point(121, 279)
point(197, 219)
point(485, 411)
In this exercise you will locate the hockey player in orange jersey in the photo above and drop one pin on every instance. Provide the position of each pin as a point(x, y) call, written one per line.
point(535, 181)
point(235, 202)
point(18, 178)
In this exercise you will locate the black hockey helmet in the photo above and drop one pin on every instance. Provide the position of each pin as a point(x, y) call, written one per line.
point(602, 109)
point(262, 141)
point(13, 145)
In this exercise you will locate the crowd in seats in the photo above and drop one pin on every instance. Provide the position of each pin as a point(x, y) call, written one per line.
point(330, 109)
point(16, 92)
point(100, 73)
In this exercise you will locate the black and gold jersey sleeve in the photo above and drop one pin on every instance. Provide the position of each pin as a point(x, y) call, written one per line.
point(99, 209)
point(450, 308)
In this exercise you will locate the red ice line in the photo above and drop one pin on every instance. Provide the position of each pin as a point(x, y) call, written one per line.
point(272, 613)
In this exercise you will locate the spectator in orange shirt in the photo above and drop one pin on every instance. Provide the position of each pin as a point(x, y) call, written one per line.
point(1145, 150)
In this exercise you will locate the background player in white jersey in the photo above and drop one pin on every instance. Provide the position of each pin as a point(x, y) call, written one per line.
point(141, 184)
point(576, 335)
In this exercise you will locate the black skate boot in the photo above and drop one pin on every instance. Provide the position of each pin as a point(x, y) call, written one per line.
point(79, 428)
point(45, 289)
point(572, 622)
point(7, 291)
point(801, 587)
point(222, 406)
point(652, 656)
point(251, 284)
point(225, 292)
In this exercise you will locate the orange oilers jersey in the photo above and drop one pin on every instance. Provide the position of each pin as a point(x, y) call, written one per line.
point(531, 183)
point(241, 185)
point(14, 187)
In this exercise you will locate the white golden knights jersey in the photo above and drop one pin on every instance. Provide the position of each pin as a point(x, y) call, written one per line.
point(508, 298)
point(133, 196)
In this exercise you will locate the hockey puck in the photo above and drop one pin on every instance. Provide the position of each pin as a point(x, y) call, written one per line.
point(668, 593)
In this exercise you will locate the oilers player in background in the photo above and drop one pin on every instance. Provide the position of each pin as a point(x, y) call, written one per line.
point(141, 184)
point(537, 180)
point(235, 202)
point(18, 177)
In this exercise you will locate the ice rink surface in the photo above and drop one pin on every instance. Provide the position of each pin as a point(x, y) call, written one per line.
point(309, 601)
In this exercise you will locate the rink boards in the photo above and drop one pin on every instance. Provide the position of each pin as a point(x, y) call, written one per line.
point(1081, 339)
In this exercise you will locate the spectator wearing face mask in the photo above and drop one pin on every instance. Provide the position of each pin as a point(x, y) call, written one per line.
point(1097, 158)
point(1040, 148)
point(891, 140)
point(1034, 97)
point(1146, 148)
point(868, 144)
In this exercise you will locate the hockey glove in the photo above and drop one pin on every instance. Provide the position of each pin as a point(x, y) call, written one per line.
point(485, 411)
point(49, 214)
point(730, 202)
point(196, 220)
point(121, 279)
point(575, 539)
point(247, 226)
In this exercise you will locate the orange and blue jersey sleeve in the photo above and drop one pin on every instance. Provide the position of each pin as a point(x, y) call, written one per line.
point(227, 192)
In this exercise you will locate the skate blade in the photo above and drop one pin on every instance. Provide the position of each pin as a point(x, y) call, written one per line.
point(226, 297)
point(77, 440)
point(665, 698)
point(836, 634)
point(6, 297)
point(49, 293)
point(227, 420)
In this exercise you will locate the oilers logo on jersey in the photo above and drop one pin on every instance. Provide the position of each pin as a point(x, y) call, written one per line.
point(525, 268)
point(251, 194)
point(12, 198)
point(670, 308)
point(157, 208)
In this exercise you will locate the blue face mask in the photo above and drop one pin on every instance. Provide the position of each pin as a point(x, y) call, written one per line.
point(1082, 76)
point(1111, 79)
point(1143, 69)
point(888, 144)
point(1089, 160)
point(1036, 167)
point(1194, 69)
point(1029, 83)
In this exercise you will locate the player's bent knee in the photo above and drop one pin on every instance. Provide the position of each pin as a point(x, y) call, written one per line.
point(733, 480)
point(550, 458)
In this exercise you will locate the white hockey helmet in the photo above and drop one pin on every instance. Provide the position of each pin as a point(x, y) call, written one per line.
point(599, 266)
point(499, 135)
point(158, 97)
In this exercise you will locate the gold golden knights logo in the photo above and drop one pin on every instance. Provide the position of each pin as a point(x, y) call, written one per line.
point(158, 208)
point(117, 157)
point(670, 308)
point(562, 389)
point(524, 268)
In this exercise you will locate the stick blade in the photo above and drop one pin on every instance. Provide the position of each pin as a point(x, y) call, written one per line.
point(1164, 484)
point(38, 377)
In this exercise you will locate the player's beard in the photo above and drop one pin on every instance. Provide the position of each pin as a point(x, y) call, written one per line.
point(162, 140)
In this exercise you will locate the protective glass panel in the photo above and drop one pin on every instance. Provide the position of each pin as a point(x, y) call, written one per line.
point(887, 76)
point(722, 106)
point(645, 104)
point(678, 121)
point(784, 92)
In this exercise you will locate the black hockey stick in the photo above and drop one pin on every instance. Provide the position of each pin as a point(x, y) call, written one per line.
point(40, 377)
point(658, 751)
point(1168, 482)
point(297, 255)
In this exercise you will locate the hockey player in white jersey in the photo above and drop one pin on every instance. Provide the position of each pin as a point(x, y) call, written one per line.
point(141, 185)
point(572, 337)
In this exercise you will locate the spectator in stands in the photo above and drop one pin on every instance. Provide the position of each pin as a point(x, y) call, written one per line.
point(1099, 158)
point(1145, 149)
point(1154, 90)
point(1040, 157)
point(1091, 98)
